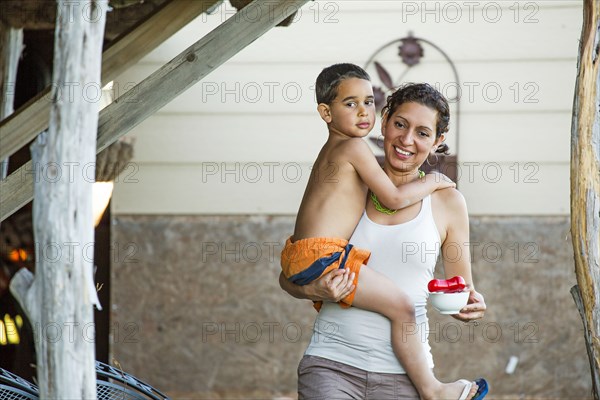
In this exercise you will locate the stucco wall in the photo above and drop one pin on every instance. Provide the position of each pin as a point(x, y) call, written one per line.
point(197, 310)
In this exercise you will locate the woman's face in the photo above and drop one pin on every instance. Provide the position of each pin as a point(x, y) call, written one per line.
point(409, 136)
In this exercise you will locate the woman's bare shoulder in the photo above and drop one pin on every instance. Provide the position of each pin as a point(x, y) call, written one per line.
point(449, 203)
point(450, 213)
point(449, 198)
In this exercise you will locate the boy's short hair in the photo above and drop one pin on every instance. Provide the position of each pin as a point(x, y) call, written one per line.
point(330, 78)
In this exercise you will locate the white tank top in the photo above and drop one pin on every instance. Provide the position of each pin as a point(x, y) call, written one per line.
point(406, 253)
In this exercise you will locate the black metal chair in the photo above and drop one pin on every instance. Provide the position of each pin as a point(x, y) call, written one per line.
point(13, 387)
point(111, 384)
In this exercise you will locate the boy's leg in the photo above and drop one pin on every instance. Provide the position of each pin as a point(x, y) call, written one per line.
point(375, 292)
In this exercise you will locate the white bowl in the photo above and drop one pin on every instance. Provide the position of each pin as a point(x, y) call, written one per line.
point(449, 303)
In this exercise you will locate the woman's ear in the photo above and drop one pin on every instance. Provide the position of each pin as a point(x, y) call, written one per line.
point(439, 141)
point(324, 112)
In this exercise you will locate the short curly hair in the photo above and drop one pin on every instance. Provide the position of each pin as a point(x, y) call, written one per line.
point(330, 78)
point(426, 95)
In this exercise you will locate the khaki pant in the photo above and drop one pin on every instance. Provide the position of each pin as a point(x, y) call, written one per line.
point(321, 378)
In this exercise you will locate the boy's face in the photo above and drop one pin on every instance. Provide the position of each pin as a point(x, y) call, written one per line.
point(352, 112)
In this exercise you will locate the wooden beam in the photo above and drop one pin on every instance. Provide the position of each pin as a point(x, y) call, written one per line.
point(17, 190)
point(32, 118)
point(191, 66)
point(32, 15)
point(585, 186)
point(133, 45)
point(161, 87)
point(11, 46)
point(63, 293)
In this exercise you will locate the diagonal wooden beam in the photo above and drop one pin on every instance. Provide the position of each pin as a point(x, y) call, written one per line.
point(16, 190)
point(32, 118)
point(161, 87)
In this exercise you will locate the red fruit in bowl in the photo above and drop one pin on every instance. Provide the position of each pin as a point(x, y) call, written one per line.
point(452, 285)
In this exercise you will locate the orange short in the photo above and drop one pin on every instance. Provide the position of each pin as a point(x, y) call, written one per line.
point(305, 260)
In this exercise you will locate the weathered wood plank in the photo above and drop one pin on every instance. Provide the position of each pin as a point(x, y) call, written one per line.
point(585, 186)
point(32, 118)
point(11, 46)
point(157, 188)
point(159, 139)
point(508, 87)
point(62, 293)
point(512, 34)
point(16, 190)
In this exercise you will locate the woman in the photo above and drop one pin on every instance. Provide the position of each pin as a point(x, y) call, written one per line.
point(350, 354)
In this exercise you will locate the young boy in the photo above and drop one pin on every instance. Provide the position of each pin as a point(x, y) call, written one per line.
point(332, 205)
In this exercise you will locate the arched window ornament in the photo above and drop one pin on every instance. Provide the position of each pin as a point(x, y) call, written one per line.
point(391, 73)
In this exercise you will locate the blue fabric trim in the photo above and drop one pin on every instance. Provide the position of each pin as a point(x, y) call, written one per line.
point(347, 249)
point(316, 269)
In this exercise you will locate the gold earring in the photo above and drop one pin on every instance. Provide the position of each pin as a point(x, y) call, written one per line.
point(436, 160)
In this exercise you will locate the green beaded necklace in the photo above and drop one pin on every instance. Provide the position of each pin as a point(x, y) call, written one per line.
point(379, 207)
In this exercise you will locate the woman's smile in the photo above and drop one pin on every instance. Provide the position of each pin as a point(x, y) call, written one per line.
point(403, 154)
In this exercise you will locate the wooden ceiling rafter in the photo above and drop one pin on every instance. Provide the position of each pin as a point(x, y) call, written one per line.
point(39, 15)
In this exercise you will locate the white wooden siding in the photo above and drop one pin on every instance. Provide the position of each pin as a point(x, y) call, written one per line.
point(258, 110)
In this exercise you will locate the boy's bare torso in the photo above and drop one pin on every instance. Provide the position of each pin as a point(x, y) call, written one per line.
point(335, 196)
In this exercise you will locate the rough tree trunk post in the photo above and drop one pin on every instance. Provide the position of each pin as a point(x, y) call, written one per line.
point(59, 299)
point(585, 186)
point(11, 46)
